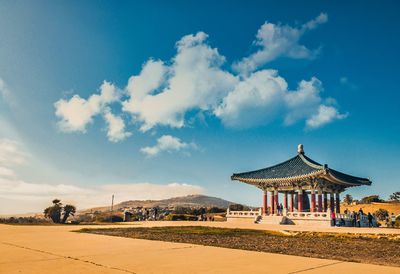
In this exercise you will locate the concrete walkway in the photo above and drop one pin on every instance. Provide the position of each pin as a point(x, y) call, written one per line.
point(55, 249)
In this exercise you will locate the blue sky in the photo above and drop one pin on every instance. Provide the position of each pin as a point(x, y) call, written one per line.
point(154, 99)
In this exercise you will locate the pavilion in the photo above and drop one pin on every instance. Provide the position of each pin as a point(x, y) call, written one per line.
point(300, 177)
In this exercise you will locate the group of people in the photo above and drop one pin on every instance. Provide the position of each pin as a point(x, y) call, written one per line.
point(148, 214)
point(355, 217)
point(279, 209)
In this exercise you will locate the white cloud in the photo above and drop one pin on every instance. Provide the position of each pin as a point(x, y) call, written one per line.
point(254, 101)
point(4, 91)
point(167, 143)
point(276, 40)
point(76, 113)
point(344, 81)
point(150, 78)
point(145, 191)
point(325, 114)
point(6, 172)
point(6, 95)
point(303, 102)
point(11, 153)
point(264, 96)
point(115, 127)
point(196, 81)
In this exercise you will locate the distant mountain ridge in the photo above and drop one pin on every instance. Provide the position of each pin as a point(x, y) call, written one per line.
point(195, 201)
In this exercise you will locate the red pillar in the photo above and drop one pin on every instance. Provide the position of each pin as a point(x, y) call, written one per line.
point(291, 201)
point(285, 204)
point(276, 201)
point(332, 202)
point(312, 200)
point(300, 201)
point(319, 201)
point(271, 193)
point(265, 202)
point(337, 202)
point(325, 202)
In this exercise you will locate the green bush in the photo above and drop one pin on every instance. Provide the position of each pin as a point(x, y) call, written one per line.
point(381, 214)
point(238, 207)
point(109, 219)
point(371, 199)
point(397, 223)
point(24, 220)
point(181, 217)
point(216, 210)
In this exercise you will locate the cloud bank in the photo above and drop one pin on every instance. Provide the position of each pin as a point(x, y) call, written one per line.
point(198, 79)
point(19, 196)
point(34, 197)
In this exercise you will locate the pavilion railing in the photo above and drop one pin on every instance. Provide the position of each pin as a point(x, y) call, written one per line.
point(308, 215)
point(342, 219)
point(243, 214)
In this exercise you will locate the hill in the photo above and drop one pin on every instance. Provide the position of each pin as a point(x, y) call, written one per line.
point(194, 201)
point(372, 207)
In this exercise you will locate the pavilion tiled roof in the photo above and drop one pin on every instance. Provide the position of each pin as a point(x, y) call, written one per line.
point(298, 168)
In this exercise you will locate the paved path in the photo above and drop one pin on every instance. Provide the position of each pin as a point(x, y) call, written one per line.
point(250, 225)
point(55, 249)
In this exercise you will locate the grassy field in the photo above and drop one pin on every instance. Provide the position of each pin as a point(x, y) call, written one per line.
point(391, 207)
point(373, 249)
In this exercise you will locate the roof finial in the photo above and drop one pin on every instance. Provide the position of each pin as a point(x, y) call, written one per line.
point(300, 149)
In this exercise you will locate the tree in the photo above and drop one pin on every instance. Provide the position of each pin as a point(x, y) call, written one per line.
point(348, 199)
point(67, 211)
point(395, 197)
point(55, 211)
point(371, 199)
point(238, 207)
point(381, 214)
point(215, 209)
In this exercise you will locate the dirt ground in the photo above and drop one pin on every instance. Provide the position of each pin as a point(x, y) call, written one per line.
point(366, 248)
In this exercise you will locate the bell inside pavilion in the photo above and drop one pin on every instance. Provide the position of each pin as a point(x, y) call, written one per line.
point(310, 190)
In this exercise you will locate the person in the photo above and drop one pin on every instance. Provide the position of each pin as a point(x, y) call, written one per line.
point(281, 209)
point(361, 212)
point(354, 218)
point(393, 219)
point(359, 219)
point(387, 221)
point(155, 213)
point(203, 214)
point(333, 217)
point(370, 220)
